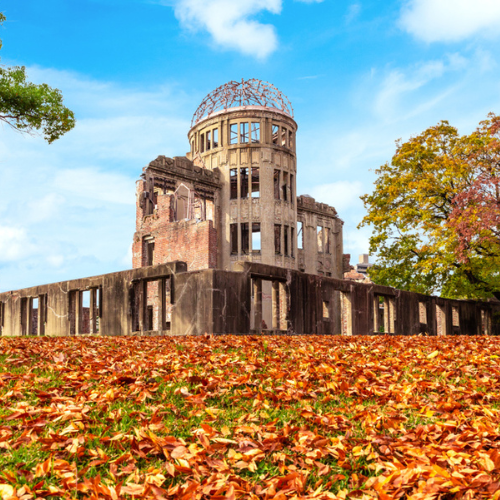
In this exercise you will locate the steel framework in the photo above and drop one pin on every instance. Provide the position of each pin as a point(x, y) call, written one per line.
point(233, 94)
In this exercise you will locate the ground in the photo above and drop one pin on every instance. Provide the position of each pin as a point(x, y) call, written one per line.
point(249, 417)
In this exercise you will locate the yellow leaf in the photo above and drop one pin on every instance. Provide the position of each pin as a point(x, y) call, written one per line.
point(432, 354)
point(6, 491)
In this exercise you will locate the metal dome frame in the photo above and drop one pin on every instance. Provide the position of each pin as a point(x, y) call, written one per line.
point(234, 94)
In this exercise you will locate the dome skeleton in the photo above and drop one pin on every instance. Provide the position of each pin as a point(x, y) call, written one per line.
point(233, 94)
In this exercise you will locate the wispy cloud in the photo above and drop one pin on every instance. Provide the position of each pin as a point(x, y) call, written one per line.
point(352, 12)
point(451, 20)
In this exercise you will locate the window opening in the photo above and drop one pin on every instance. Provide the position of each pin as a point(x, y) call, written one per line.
point(256, 237)
point(292, 241)
point(166, 304)
point(284, 187)
point(292, 189)
point(34, 316)
point(378, 314)
point(234, 238)
point(326, 309)
point(233, 175)
point(320, 238)
point(290, 139)
point(485, 322)
point(328, 248)
point(202, 143)
point(2, 317)
point(216, 138)
point(255, 132)
point(192, 146)
point(245, 241)
point(277, 239)
point(182, 203)
point(276, 184)
point(276, 131)
point(440, 320)
point(85, 312)
point(285, 238)
point(300, 235)
point(422, 312)
point(153, 305)
point(233, 133)
point(209, 140)
point(149, 318)
point(283, 136)
point(150, 251)
point(244, 182)
point(73, 300)
point(243, 132)
point(95, 309)
point(255, 182)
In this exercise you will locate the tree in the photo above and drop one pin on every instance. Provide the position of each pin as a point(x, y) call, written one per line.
point(435, 213)
point(28, 107)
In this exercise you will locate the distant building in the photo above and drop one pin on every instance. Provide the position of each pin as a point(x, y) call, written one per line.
point(363, 265)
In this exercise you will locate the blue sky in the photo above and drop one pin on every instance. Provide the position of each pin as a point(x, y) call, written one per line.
point(360, 74)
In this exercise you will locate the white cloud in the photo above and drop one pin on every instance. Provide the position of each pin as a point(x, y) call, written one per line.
point(230, 23)
point(14, 243)
point(451, 20)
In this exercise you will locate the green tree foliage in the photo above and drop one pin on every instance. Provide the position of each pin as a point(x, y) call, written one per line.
point(422, 210)
point(30, 108)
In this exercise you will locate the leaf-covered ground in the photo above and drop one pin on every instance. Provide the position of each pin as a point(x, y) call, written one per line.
point(249, 417)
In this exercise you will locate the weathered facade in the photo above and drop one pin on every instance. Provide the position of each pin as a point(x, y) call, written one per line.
point(223, 244)
point(233, 197)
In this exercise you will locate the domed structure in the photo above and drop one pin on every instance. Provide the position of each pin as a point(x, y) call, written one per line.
point(244, 94)
point(233, 199)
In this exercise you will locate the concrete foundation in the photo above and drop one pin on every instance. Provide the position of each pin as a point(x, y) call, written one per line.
point(252, 298)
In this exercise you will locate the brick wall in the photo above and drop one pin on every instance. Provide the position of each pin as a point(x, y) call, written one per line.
point(191, 241)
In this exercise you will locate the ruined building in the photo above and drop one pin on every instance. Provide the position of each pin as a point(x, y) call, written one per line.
point(233, 197)
point(223, 244)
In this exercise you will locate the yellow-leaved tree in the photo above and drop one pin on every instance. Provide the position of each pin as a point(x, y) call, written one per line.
point(435, 213)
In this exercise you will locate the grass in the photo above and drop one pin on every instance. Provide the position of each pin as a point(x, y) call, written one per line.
point(250, 417)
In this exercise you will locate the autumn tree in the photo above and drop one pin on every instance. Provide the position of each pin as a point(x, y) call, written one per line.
point(28, 107)
point(435, 213)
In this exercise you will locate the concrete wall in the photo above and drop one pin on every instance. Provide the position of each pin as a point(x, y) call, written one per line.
point(218, 301)
point(269, 155)
point(111, 309)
